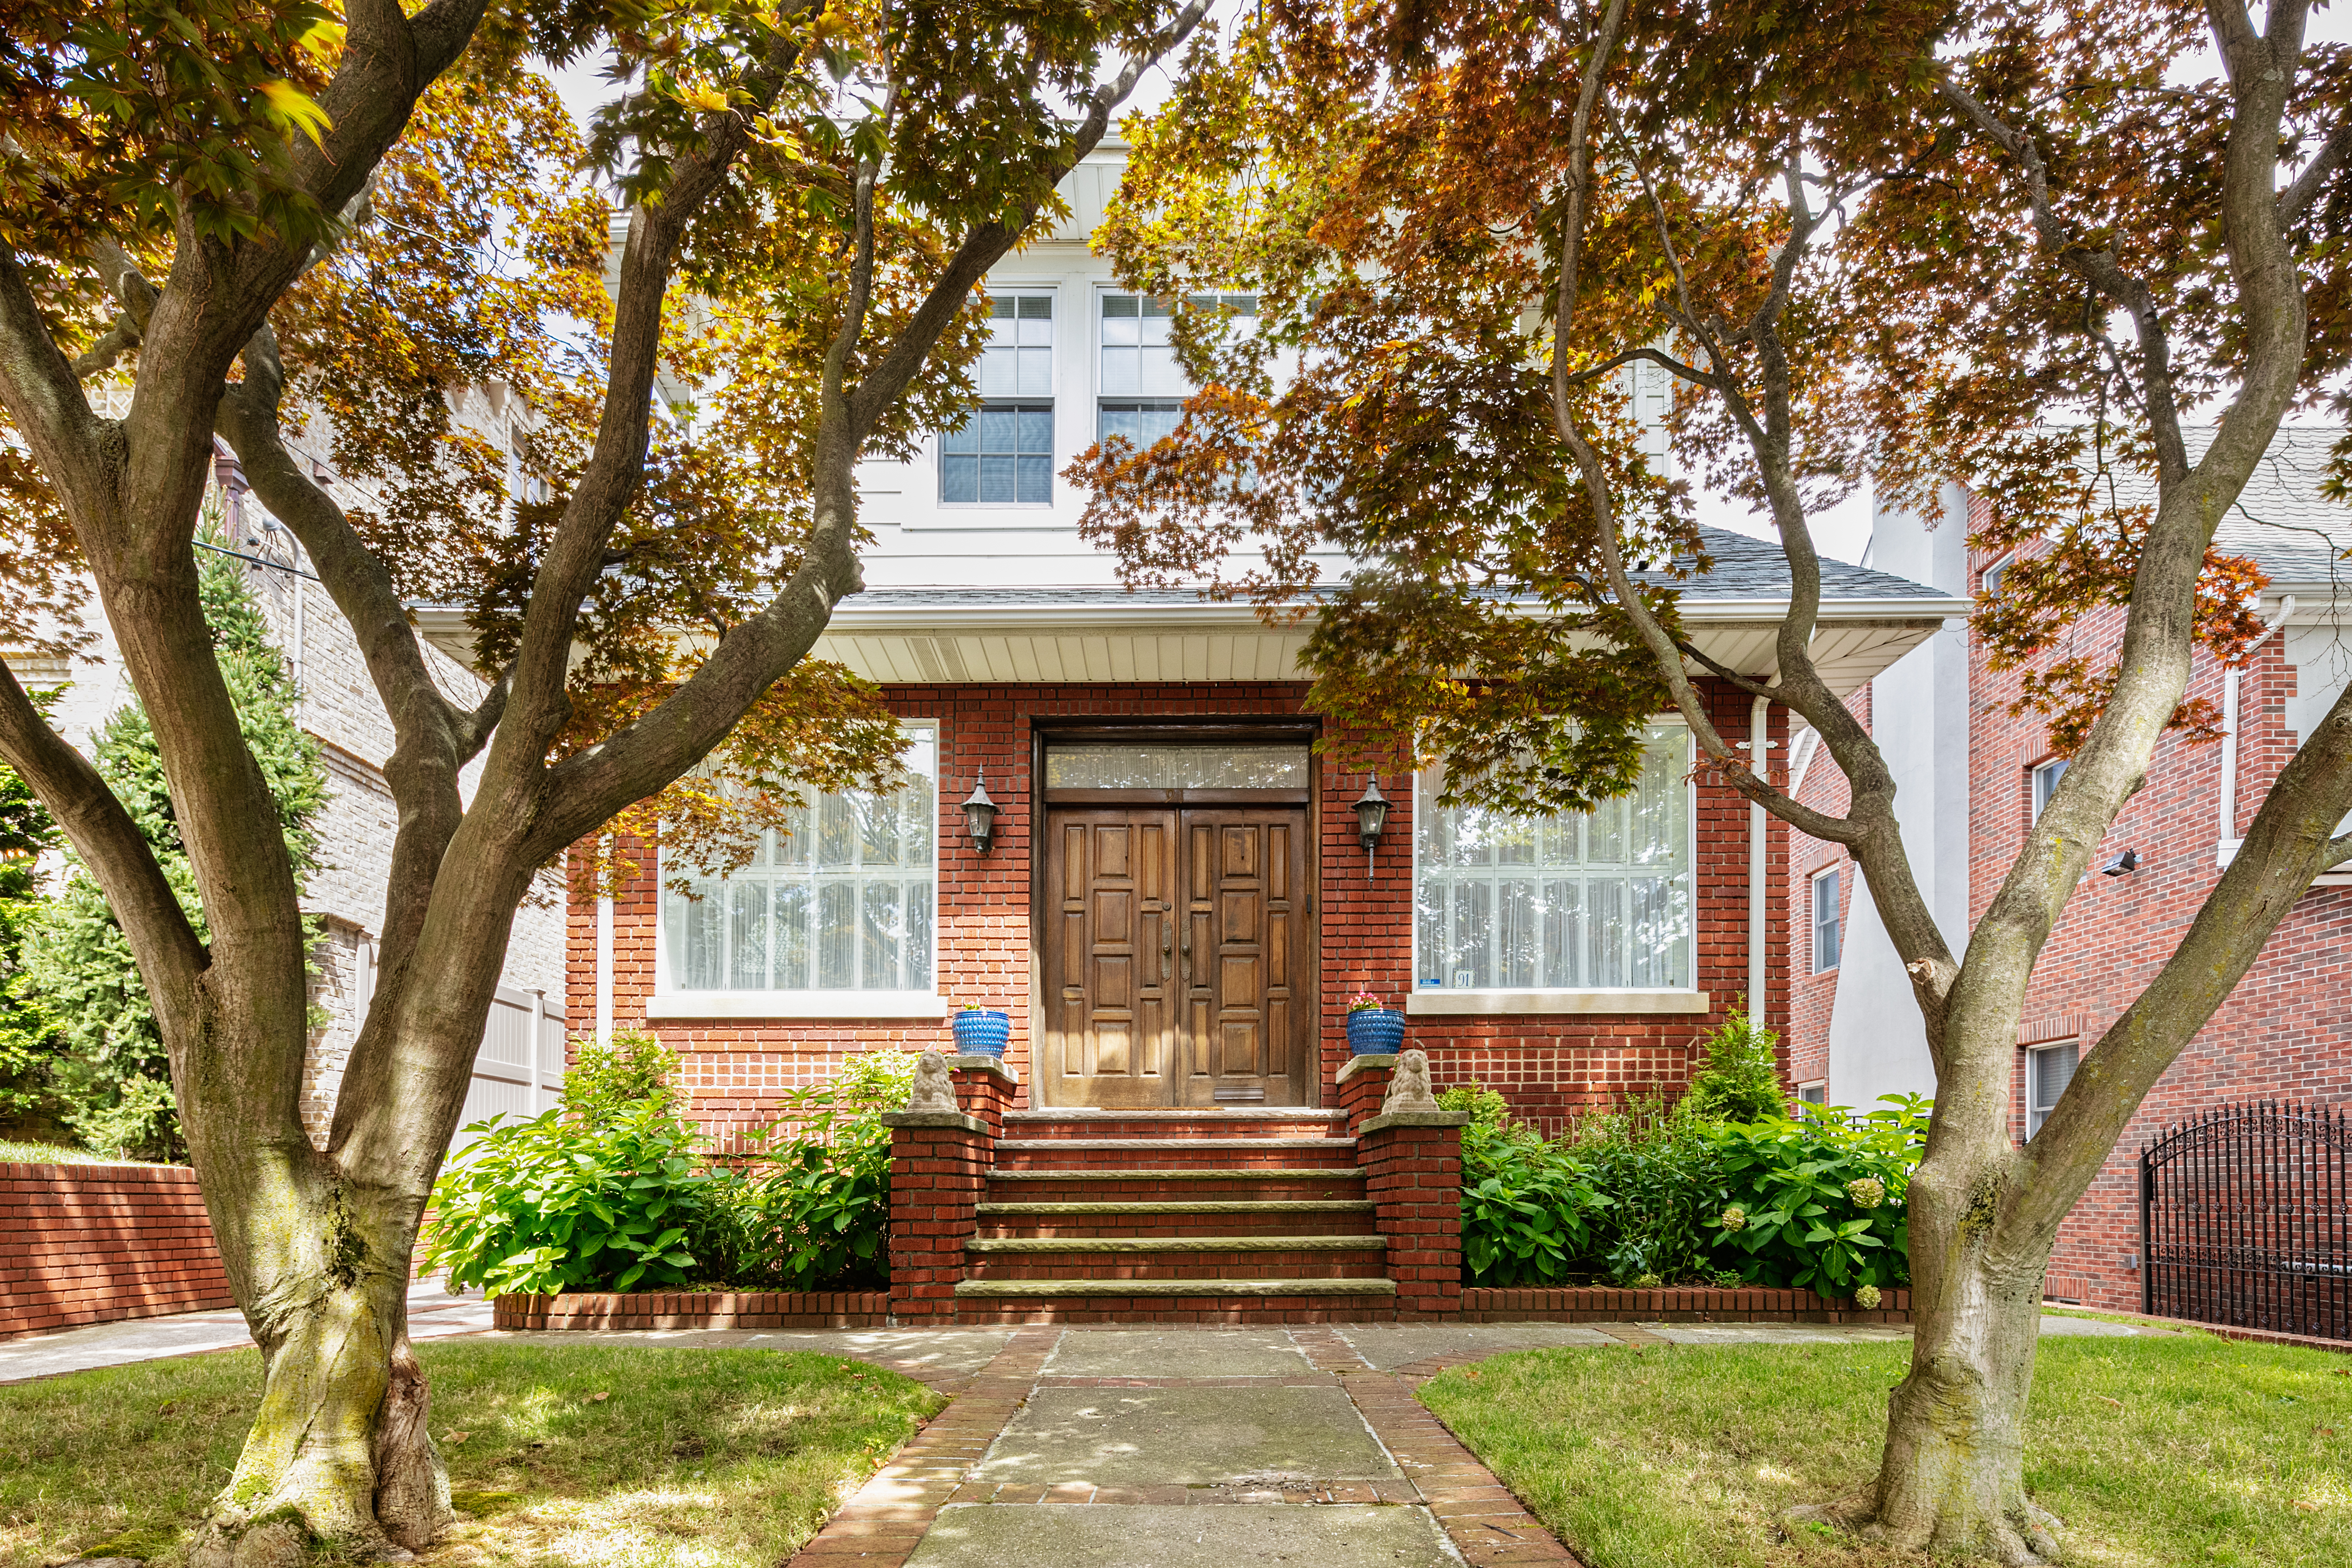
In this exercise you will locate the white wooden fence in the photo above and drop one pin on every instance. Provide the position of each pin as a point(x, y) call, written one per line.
point(520, 1071)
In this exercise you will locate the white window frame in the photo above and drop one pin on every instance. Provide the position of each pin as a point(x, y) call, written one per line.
point(1989, 580)
point(1490, 1000)
point(2037, 1113)
point(1008, 289)
point(2035, 798)
point(1837, 918)
point(668, 1001)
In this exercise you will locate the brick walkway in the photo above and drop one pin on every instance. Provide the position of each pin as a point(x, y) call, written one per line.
point(1175, 1447)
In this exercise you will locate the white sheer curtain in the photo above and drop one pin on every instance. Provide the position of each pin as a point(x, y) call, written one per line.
point(1563, 902)
point(840, 899)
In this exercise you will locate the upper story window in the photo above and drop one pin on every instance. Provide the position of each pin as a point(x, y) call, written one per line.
point(1990, 580)
point(2045, 782)
point(1004, 455)
point(1602, 901)
point(840, 900)
point(1142, 387)
point(2048, 1071)
point(1827, 931)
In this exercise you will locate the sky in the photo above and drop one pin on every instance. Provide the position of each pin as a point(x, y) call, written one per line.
point(1842, 532)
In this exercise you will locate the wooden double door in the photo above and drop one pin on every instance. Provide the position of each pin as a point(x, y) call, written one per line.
point(1177, 958)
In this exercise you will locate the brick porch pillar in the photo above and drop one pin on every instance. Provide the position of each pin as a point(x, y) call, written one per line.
point(986, 1089)
point(1412, 1167)
point(1363, 1084)
point(940, 1161)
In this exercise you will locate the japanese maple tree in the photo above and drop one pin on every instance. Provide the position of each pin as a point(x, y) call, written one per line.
point(328, 227)
point(2022, 247)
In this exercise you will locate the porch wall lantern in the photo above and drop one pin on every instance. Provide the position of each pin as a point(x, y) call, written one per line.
point(980, 814)
point(1372, 816)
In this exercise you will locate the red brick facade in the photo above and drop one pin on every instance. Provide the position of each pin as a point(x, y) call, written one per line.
point(1549, 1066)
point(1812, 991)
point(2285, 1033)
point(96, 1244)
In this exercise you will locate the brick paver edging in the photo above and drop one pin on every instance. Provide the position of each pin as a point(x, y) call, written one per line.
point(879, 1526)
point(1604, 1304)
point(600, 1311)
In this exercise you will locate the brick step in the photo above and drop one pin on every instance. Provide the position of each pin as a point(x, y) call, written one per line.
point(1287, 1121)
point(1164, 1184)
point(1292, 1216)
point(1235, 1286)
point(1179, 1257)
point(1189, 1153)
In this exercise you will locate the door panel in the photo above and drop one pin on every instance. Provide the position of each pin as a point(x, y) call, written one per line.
point(1243, 1007)
point(1172, 956)
point(1109, 963)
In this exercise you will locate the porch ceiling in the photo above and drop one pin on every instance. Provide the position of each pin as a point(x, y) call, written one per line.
point(1007, 636)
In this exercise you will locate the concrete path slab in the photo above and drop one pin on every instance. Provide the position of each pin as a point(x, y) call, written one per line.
point(1189, 1437)
point(1338, 1535)
point(432, 1313)
point(1178, 1353)
point(1386, 1345)
point(2099, 1329)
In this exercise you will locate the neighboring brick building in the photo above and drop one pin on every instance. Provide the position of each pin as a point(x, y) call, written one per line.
point(2286, 1032)
point(1175, 905)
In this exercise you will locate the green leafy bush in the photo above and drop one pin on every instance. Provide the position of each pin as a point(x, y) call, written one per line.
point(1740, 1079)
point(815, 1210)
point(1818, 1205)
point(1650, 1192)
point(601, 1192)
point(609, 1191)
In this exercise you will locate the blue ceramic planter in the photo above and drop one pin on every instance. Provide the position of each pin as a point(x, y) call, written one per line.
point(982, 1034)
point(1375, 1032)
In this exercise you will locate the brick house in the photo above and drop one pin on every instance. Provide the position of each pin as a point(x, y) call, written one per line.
point(1176, 902)
point(2285, 1034)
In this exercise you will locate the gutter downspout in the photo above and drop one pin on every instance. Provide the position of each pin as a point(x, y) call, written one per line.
point(1759, 714)
point(2227, 847)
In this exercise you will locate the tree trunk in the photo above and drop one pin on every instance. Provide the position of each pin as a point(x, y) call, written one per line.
point(339, 1452)
point(1952, 1482)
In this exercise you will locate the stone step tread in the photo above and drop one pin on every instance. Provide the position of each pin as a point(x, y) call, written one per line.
point(1043, 1145)
point(1142, 1207)
point(1177, 1243)
point(1183, 1173)
point(1034, 1289)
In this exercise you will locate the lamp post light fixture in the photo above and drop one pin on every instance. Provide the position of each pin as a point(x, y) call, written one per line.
point(1372, 816)
point(980, 814)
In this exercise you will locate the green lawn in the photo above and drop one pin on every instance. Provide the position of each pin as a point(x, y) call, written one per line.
point(690, 1458)
point(2155, 1452)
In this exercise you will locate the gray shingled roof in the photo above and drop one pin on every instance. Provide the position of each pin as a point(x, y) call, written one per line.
point(2281, 522)
point(1744, 568)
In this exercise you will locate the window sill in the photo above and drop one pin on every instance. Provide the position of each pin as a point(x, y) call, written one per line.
point(2226, 851)
point(796, 1005)
point(1440, 1003)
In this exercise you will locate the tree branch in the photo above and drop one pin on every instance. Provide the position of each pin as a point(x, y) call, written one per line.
point(2299, 196)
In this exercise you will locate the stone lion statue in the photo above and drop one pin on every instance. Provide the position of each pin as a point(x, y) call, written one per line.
point(1409, 1087)
point(934, 1085)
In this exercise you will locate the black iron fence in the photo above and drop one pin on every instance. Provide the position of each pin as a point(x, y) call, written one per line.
point(2244, 1220)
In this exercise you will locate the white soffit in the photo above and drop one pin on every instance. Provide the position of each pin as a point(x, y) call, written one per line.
point(979, 643)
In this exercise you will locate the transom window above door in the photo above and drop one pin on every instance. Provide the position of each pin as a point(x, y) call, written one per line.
point(839, 901)
point(1176, 766)
point(1600, 901)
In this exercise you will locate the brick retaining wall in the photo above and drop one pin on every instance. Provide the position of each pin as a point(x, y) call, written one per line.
point(1604, 1304)
point(696, 1309)
point(96, 1244)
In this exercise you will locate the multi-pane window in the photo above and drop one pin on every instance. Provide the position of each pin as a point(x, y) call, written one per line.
point(841, 900)
point(2048, 1071)
point(1142, 387)
point(2045, 784)
point(1004, 455)
point(1992, 576)
point(1598, 901)
point(1826, 930)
